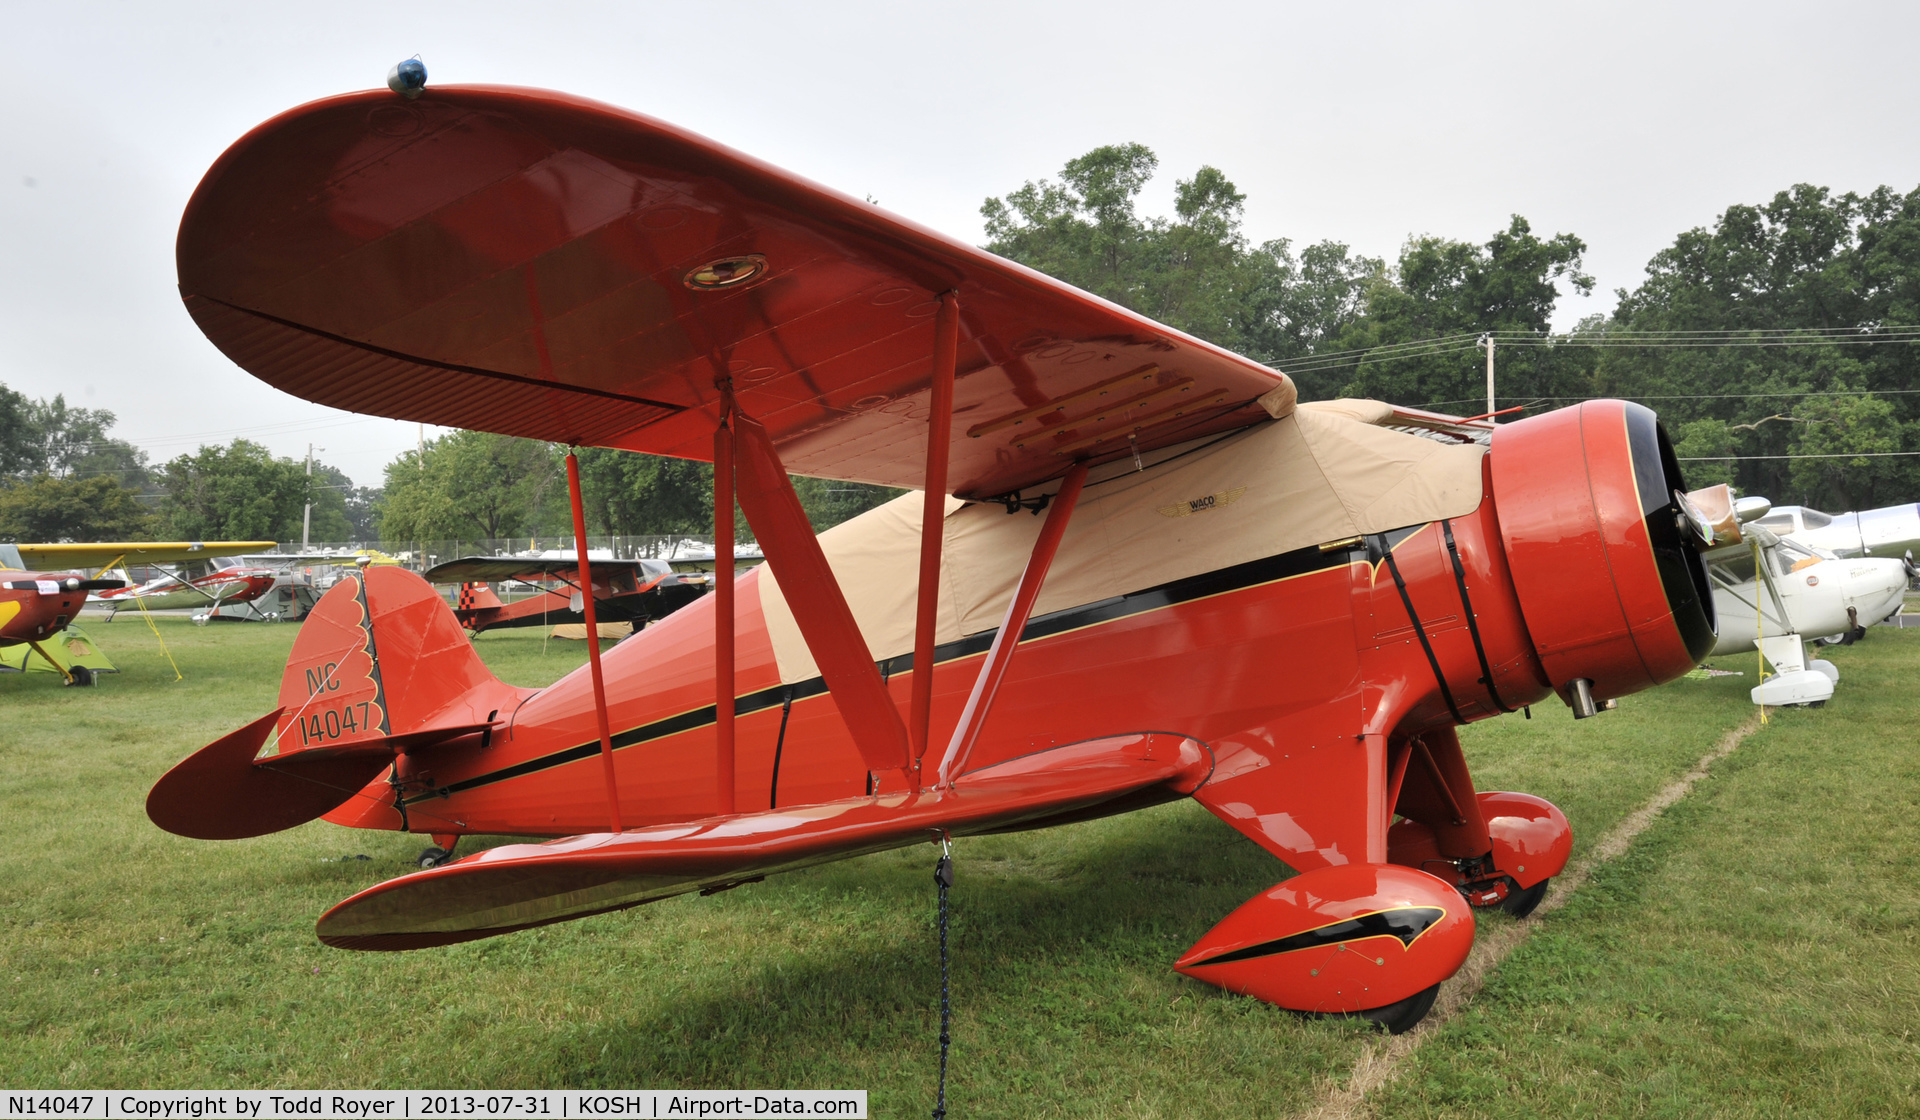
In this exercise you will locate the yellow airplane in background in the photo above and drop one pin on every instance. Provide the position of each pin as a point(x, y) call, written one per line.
point(43, 587)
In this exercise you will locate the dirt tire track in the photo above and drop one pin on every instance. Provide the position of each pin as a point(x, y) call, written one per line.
point(1382, 1061)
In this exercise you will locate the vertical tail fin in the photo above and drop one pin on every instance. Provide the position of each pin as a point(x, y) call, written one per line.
point(382, 655)
point(380, 668)
point(476, 596)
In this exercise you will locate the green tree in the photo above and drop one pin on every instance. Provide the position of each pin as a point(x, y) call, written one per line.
point(628, 493)
point(1448, 289)
point(19, 449)
point(1195, 272)
point(1805, 260)
point(50, 509)
point(475, 486)
point(73, 443)
point(828, 501)
point(243, 492)
point(1710, 445)
point(360, 506)
point(1860, 429)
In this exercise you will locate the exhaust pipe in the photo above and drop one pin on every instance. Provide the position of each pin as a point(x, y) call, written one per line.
point(1580, 699)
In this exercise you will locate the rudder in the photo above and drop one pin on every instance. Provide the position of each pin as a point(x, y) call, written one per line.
point(380, 668)
point(381, 654)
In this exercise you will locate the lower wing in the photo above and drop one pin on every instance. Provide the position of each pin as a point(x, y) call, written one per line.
point(526, 885)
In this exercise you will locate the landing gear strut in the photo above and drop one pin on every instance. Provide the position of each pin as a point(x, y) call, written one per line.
point(442, 851)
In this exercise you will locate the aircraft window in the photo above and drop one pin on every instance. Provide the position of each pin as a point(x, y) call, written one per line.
point(655, 567)
point(1778, 522)
point(1739, 566)
point(1815, 519)
point(1795, 551)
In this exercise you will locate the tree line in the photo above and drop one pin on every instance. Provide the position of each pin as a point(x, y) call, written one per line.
point(478, 486)
point(1777, 344)
point(63, 478)
point(1770, 342)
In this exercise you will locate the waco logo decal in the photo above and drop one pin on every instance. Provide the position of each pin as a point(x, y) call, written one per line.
point(1203, 504)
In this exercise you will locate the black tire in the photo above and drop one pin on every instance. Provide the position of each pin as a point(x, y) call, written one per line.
point(433, 857)
point(82, 676)
point(1399, 1018)
point(1521, 902)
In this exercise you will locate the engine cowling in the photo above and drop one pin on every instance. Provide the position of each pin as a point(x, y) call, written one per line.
point(1610, 586)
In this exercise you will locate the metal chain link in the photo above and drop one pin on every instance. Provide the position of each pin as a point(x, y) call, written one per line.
point(943, 875)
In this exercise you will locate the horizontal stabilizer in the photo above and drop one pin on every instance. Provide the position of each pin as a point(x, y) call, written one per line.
point(525, 885)
point(223, 792)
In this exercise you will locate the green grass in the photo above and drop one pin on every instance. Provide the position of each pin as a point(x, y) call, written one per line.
point(208, 973)
point(1753, 955)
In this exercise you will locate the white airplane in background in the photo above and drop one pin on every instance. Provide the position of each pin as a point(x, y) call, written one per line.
point(213, 582)
point(1796, 593)
point(1892, 532)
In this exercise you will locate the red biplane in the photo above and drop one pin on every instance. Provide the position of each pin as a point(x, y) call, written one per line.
point(1280, 610)
point(630, 591)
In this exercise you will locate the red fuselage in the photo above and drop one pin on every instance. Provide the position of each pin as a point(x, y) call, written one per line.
point(37, 605)
point(225, 585)
point(1285, 667)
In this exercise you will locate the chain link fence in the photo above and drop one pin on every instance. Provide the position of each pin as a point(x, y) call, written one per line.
point(421, 555)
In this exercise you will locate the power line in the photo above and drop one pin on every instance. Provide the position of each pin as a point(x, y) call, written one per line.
point(1701, 396)
point(1688, 339)
point(1834, 455)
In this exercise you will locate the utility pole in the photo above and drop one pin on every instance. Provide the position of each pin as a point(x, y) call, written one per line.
point(1486, 340)
point(306, 515)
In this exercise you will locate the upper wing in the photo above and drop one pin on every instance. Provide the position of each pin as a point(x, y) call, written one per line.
point(540, 265)
point(66, 557)
point(481, 569)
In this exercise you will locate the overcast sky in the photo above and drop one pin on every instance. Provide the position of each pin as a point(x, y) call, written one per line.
point(1622, 123)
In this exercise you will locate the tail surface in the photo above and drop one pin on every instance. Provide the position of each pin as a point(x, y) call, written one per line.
point(381, 667)
point(475, 599)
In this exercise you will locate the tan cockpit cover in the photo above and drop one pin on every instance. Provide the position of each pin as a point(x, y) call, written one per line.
point(1312, 476)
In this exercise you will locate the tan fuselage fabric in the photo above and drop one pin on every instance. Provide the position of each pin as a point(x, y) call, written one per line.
point(1312, 476)
point(1354, 408)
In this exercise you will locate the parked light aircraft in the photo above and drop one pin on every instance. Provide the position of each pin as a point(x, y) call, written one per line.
point(1892, 531)
point(43, 586)
point(1280, 610)
point(202, 582)
point(298, 580)
point(632, 591)
point(36, 605)
point(1776, 593)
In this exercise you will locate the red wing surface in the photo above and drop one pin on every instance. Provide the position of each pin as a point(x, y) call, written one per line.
point(541, 265)
point(523, 885)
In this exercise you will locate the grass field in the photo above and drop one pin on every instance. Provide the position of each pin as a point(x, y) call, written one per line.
point(1753, 955)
